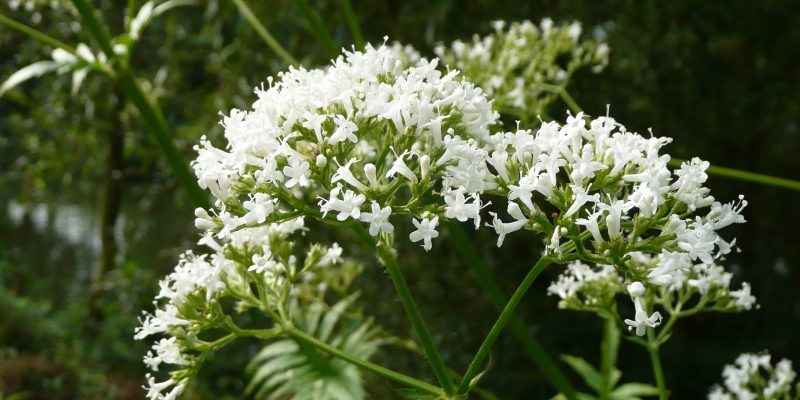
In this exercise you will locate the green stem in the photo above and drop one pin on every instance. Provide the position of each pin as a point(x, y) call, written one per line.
point(352, 22)
point(157, 124)
point(608, 356)
point(528, 341)
point(159, 131)
point(724, 172)
point(374, 368)
point(318, 28)
point(655, 359)
point(386, 255)
point(505, 315)
point(95, 28)
point(264, 33)
point(746, 176)
point(36, 35)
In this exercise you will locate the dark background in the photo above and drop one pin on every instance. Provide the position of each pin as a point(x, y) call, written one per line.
point(720, 77)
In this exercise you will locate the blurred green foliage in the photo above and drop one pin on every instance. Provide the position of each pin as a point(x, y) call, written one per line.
point(720, 77)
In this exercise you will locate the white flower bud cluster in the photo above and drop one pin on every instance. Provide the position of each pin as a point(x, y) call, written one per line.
point(188, 302)
point(753, 376)
point(594, 288)
point(585, 287)
point(516, 62)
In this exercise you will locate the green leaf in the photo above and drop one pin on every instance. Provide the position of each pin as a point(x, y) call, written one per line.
point(630, 391)
point(34, 70)
point(149, 11)
point(288, 368)
point(77, 78)
point(414, 394)
point(580, 396)
point(589, 374)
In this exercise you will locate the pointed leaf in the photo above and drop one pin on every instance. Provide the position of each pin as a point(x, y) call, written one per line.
point(585, 370)
point(77, 78)
point(634, 390)
point(34, 70)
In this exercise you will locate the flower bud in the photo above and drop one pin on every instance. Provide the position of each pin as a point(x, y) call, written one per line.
point(321, 161)
point(636, 289)
point(372, 177)
point(424, 165)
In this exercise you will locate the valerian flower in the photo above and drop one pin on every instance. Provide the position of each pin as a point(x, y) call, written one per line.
point(753, 376)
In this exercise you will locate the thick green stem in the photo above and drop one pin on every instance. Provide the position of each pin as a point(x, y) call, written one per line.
point(160, 133)
point(608, 356)
point(387, 256)
point(36, 35)
point(528, 341)
point(505, 315)
point(352, 22)
point(273, 44)
point(746, 176)
point(318, 28)
point(724, 172)
point(156, 123)
point(655, 359)
point(374, 368)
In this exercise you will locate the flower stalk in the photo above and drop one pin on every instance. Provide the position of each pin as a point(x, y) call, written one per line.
point(499, 325)
point(389, 260)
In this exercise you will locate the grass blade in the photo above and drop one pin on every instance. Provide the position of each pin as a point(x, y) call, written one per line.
point(264, 33)
point(318, 28)
point(352, 22)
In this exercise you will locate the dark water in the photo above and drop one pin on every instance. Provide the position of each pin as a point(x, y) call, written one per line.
point(60, 238)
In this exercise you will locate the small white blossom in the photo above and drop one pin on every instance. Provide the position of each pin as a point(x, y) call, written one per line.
point(426, 231)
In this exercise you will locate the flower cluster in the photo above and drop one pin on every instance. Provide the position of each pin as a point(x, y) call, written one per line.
point(367, 139)
point(595, 288)
point(254, 266)
point(586, 287)
point(753, 376)
point(520, 63)
point(383, 133)
point(350, 136)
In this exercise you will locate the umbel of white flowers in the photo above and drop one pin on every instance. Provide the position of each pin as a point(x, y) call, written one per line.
point(368, 140)
point(753, 376)
point(188, 302)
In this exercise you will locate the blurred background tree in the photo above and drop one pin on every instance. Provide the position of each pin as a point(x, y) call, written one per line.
point(718, 77)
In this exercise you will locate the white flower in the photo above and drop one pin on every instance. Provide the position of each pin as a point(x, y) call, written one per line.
point(332, 256)
point(154, 389)
point(263, 264)
point(203, 220)
point(378, 219)
point(581, 197)
point(744, 299)
point(426, 230)
point(641, 321)
point(259, 207)
point(458, 208)
point(343, 173)
point(615, 211)
point(399, 167)
point(670, 261)
point(504, 228)
point(344, 130)
point(592, 226)
point(298, 172)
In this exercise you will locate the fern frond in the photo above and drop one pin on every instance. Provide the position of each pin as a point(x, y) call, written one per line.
point(286, 369)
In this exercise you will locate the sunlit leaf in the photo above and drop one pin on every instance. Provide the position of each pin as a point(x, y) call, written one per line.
point(631, 391)
point(585, 370)
point(34, 70)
